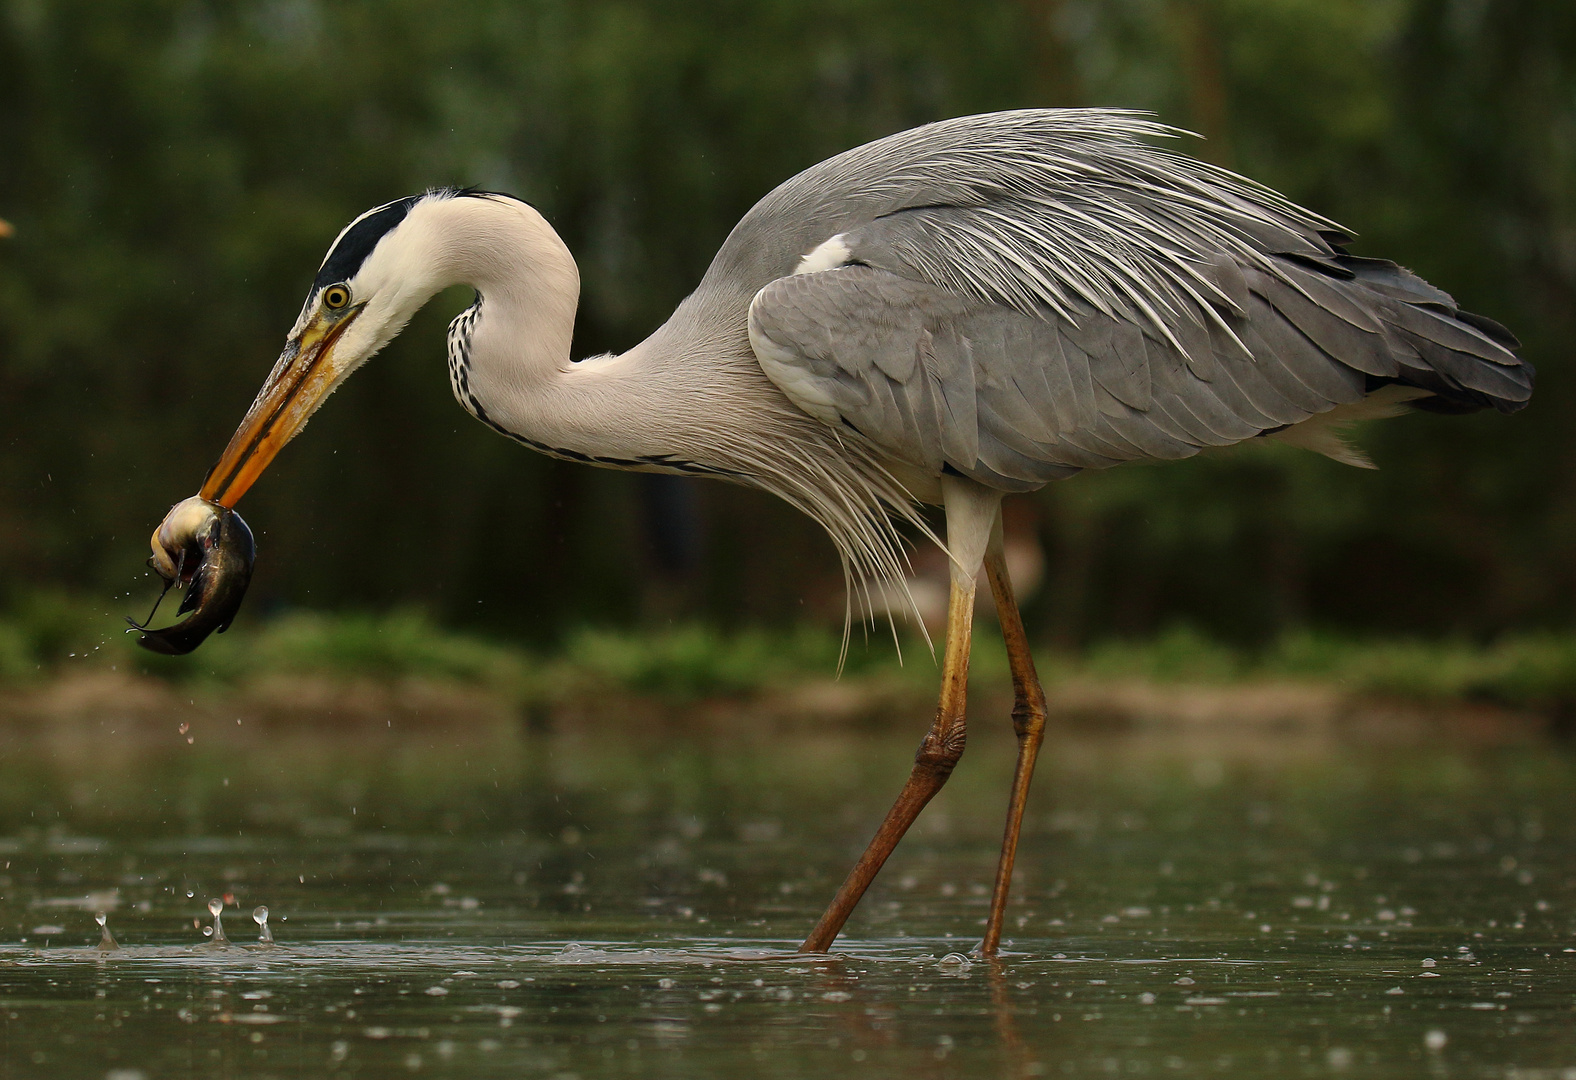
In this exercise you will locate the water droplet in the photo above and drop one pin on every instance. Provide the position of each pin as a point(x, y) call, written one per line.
point(216, 909)
point(265, 936)
point(107, 942)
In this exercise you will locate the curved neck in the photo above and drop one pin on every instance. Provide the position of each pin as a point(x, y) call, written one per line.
point(511, 256)
point(678, 401)
point(509, 356)
point(690, 398)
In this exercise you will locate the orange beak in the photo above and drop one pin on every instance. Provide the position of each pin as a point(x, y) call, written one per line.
point(306, 373)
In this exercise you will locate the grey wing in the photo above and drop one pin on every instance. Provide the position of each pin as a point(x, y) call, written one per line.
point(1138, 305)
point(953, 384)
point(950, 384)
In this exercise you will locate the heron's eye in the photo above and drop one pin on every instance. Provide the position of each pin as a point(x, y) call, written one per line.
point(336, 297)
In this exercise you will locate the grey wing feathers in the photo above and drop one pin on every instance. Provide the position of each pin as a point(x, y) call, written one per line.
point(1029, 294)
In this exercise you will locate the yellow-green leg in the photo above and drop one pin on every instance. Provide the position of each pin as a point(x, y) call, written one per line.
point(1028, 720)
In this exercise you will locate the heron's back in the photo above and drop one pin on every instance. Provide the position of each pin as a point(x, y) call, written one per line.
point(1017, 296)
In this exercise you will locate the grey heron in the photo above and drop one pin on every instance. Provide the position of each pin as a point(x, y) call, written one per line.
point(971, 308)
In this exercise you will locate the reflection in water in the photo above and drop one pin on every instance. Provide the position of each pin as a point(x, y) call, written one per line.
point(509, 903)
point(1020, 1059)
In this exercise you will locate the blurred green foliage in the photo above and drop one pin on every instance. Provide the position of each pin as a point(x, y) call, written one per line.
point(54, 635)
point(1532, 670)
point(176, 168)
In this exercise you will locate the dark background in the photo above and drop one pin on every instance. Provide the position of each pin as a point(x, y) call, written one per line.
point(175, 171)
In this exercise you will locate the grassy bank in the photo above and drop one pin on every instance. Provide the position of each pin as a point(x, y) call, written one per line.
point(47, 637)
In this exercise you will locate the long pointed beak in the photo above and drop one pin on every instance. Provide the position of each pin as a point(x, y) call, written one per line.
point(306, 373)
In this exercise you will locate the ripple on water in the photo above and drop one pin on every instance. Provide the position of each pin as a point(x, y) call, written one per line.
point(598, 916)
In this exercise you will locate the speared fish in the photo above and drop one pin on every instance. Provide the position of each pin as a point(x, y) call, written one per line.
point(208, 549)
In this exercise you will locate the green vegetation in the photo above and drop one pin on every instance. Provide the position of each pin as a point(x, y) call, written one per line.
point(1536, 670)
point(52, 637)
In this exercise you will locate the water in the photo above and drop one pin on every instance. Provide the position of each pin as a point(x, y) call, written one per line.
point(596, 902)
point(107, 942)
point(215, 933)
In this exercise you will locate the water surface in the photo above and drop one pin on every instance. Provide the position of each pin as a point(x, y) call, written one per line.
point(598, 902)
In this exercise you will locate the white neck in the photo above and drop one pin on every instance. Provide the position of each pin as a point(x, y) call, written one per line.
point(637, 409)
point(691, 398)
point(511, 256)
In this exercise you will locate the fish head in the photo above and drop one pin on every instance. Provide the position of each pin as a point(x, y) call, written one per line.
point(209, 550)
point(190, 530)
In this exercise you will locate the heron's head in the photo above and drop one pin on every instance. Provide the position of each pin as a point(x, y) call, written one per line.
point(380, 269)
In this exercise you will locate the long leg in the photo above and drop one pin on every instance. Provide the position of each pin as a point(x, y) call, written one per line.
point(933, 763)
point(973, 512)
point(1028, 720)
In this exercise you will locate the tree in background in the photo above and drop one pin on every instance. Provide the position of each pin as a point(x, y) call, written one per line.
point(176, 170)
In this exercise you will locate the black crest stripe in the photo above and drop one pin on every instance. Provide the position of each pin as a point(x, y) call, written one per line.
point(359, 240)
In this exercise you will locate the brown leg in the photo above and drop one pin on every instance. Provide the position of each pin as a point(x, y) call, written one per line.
point(1028, 720)
point(933, 763)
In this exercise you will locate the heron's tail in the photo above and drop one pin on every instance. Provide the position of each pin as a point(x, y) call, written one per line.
point(1460, 361)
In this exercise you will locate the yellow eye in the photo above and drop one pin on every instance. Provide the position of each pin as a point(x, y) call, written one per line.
point(336, 297)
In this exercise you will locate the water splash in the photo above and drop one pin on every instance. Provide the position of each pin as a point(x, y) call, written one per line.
point(265, 936)
point(216, 909)
point(107, 942)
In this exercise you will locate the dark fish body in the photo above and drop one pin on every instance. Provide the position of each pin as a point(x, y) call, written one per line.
point(207, 548)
